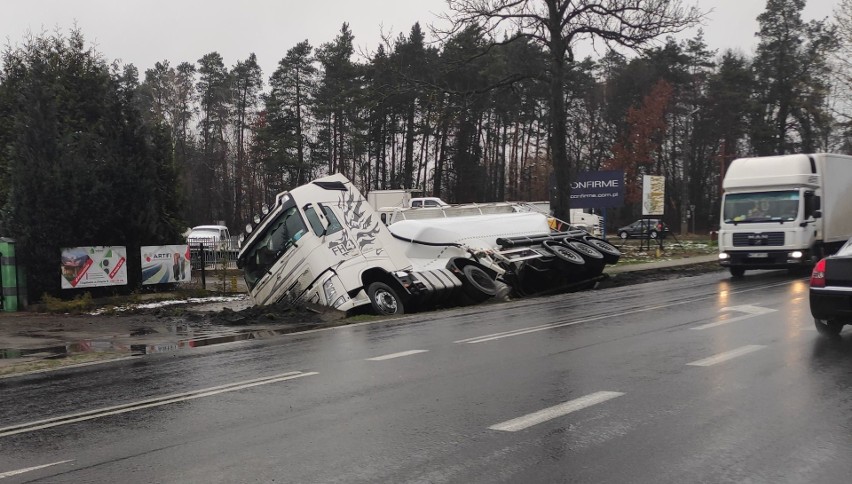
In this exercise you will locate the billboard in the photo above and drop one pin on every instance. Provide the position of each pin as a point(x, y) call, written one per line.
point(165, 263)
point(93, 266)
point(653, 195)
point(598, 189)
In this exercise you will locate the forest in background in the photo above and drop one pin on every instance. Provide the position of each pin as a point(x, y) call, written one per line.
point(465, 115)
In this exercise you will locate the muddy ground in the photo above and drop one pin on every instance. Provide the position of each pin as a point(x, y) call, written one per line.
point(285, 314)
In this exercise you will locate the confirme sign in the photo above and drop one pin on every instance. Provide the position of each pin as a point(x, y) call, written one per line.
point(598, 189)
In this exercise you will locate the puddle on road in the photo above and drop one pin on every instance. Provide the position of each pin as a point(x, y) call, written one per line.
point(200, 339)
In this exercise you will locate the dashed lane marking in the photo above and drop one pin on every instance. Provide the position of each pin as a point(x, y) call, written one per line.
point(6, 474)
point(396, 355)
point(555, 411)
point(728, 355)
point(750, 312)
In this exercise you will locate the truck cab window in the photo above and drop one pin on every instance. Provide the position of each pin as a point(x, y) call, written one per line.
point(313, 219)
point(333, 223)
point(278, 238)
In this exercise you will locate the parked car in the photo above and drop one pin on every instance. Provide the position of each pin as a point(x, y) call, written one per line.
point(212, 237)
point(645, 228)
point(427, 202)
point(830, 291)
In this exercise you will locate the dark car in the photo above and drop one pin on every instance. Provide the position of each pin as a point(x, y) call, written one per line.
point(831, 291)
point(646, 228)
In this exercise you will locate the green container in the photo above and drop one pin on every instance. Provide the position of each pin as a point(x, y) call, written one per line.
point(9, 276)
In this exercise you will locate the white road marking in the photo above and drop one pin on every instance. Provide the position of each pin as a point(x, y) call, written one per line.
point(396, 355)
point(545, 327)
point(750, 312)
point(4, 475)
point(728, 355)
point(148, 403)
point(534, 329)
point(555, 411)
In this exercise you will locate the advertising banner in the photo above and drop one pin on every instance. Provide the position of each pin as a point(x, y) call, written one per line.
point(165, 263)
point(598, 189)
point(653, 195)
point(93, 266)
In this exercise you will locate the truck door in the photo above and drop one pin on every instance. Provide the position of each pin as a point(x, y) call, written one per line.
point(280, 264)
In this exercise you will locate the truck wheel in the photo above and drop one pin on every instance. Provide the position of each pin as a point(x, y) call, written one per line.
point(610, 253)
point(593, 258)
point(737, 272)
point(563, 253)
point(385, 301)
point(828, 327)
point(478, 285)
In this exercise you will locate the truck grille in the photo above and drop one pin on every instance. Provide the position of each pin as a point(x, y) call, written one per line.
point(754, 239)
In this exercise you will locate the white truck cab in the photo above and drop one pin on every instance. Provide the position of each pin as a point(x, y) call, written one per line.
point(784, 211)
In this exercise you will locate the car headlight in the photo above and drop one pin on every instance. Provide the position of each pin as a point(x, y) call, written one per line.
point(724, 256)
point(796, 254)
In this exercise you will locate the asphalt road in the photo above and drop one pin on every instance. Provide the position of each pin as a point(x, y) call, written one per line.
point(701, 379)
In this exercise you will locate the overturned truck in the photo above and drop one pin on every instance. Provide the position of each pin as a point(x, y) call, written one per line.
point(322, 243)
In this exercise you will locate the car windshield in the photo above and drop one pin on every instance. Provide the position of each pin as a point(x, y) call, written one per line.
point(280, 235)
point(778, 206)
point(204, 233)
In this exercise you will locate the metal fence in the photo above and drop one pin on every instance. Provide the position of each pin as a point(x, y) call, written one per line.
point(209, 255)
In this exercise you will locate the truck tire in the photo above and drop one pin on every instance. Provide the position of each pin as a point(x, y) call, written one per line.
point(737, 272)
point(610, 252)
point(828, 327)
point(385, 300)
point(594, 258)
point(564, 254)
point(477, 285)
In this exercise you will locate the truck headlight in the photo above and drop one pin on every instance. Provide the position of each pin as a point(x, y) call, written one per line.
point(329, 289)
point(724, 256)
point(796, 254)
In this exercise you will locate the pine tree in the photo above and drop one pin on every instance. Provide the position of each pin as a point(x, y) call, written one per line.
point(83, 168)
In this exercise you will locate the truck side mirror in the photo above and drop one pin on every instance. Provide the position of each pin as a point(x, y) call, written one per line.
point(817, 213)
point(817, 204)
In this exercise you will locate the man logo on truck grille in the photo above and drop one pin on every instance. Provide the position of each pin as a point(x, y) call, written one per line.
point(758, 239)
point(361, 227)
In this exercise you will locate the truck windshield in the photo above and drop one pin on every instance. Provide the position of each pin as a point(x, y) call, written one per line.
point(279, 236)
point(782, 206)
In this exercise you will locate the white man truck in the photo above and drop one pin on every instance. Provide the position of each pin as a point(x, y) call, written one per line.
point(322, 243)
point(784, 211)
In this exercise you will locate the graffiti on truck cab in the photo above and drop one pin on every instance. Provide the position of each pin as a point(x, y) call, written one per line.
point(362, 229)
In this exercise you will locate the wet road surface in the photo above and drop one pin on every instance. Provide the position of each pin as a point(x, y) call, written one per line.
point(702, 379)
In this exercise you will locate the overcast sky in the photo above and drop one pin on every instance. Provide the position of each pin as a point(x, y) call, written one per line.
point(144, 32)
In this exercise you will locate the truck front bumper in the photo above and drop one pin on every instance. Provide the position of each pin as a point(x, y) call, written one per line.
point(764, 259)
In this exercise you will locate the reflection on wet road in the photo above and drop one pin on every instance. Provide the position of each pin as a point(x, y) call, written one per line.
point(702, 379)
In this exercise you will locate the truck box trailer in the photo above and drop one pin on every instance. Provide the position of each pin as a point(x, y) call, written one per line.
point(784, 211)
point(323, 243)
